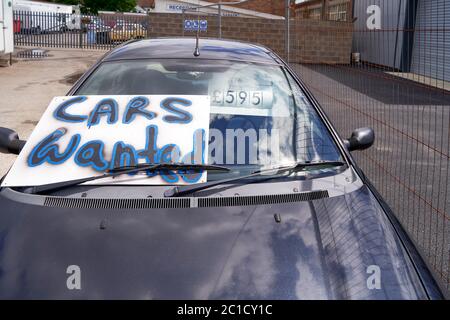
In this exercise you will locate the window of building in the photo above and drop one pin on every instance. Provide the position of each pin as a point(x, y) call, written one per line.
point(315, 13)
point(338, 12)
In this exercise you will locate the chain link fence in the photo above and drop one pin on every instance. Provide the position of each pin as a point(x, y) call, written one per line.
point(396, 81)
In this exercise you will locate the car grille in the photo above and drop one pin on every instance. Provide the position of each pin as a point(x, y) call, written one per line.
point(167, 203)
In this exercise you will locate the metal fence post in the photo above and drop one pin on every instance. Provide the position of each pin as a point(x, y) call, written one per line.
point(149, 25)
point(219, 8)
point(182, 21)
point(81, 33)
point(287, 29)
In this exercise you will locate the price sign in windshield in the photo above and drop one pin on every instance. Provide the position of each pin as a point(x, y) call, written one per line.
point(258, 99)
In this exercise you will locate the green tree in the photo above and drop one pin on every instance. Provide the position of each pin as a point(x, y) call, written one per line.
point(71, 2)
point(94, 6)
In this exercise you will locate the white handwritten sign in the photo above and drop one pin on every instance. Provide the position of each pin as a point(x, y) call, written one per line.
point(82, 136)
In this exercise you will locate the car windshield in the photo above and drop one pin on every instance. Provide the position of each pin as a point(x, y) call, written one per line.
point(259, 116)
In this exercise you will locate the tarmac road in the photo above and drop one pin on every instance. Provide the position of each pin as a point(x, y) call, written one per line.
point(27, 87)
point(409, 163)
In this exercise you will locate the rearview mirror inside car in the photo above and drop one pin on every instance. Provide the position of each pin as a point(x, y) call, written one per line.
point(10, 142)
point(361, 139)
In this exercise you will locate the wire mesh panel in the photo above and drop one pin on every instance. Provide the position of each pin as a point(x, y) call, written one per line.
point(392, 77)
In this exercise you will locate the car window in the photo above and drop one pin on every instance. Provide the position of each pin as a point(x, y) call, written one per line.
point(259, 115)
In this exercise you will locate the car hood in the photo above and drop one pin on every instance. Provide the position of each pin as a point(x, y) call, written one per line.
point(321, 249)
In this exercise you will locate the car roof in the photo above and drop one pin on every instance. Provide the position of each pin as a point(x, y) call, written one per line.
point(170, 48)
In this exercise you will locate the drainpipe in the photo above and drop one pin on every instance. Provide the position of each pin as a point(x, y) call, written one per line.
point(324, 10)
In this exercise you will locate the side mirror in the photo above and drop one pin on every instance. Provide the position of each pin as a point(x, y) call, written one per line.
point(361, 139)
point(10, 142)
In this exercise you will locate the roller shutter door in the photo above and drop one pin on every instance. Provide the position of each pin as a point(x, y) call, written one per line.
point(431, 49)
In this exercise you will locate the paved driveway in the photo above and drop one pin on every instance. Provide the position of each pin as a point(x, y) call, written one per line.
point(27, 87)
point(410, 161)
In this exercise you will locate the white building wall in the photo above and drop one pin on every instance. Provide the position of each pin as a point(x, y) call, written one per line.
point(6, 27)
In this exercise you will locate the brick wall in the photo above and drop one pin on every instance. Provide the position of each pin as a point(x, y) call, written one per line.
point(315, 41)
point(256, 30)
point(311, 41)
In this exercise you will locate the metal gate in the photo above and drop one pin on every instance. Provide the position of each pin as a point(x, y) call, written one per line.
point(61, 30)
point(431, 50)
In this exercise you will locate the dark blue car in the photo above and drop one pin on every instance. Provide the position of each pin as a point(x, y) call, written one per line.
point(285, 212)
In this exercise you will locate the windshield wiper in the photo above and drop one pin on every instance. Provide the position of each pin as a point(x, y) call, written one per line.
point(189, 189)
point(126, 170)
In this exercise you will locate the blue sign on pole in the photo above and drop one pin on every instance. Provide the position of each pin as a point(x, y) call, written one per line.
point(192, 25)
